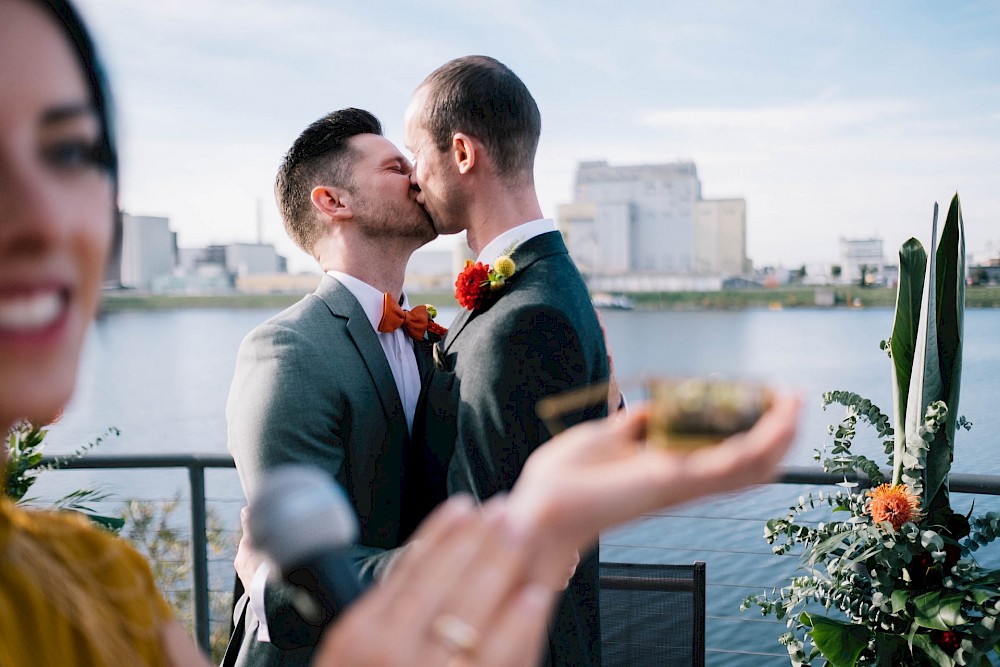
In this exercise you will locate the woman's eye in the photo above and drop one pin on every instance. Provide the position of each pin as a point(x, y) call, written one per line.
point(74, 154)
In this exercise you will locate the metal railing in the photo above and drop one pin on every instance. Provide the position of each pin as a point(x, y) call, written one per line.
point(196, 464)
point(957, 482)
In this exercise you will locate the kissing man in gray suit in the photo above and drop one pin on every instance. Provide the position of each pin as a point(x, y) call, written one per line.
point(319, 383)
point(473, 129)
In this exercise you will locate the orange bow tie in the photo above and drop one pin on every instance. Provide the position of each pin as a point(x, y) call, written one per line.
point(393, 316)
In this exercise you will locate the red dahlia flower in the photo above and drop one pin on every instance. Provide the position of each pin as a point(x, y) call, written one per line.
point(472, 288)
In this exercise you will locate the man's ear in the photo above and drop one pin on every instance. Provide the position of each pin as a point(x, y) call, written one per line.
point(331, 202)
point(463, 151)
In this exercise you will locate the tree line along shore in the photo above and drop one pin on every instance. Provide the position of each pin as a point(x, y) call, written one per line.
point(773, 298)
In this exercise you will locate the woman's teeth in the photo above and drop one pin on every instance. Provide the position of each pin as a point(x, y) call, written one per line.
point(29, 311)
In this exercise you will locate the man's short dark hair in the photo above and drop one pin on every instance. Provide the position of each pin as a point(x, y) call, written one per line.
point(320, 156)
point(481, 97)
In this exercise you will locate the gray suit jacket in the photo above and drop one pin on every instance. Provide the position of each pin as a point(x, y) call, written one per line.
point(312, 385)
point(541, 337)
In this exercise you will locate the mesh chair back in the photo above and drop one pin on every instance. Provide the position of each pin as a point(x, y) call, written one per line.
point(652, 615)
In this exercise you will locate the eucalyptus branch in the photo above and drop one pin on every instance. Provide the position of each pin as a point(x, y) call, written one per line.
point(983, 530)
point(839, 458)
point(862, 408)
point(80, 451)
point(917, 447)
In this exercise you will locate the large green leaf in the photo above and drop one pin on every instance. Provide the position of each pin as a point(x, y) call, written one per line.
point(925, 380)
point(889, 649)
point(932, 651)
point(938, 610)
point(912, 267)
point(950, 326)
point(900, 597)
point(840, 643)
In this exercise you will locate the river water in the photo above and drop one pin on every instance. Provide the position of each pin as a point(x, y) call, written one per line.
point(162, 378)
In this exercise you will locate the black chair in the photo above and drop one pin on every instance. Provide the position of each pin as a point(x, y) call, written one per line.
point(652, 615)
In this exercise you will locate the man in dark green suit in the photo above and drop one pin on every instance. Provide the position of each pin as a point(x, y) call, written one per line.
point(473, 128)
point(321, 383)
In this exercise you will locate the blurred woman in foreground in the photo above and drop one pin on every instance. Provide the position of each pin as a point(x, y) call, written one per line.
point(71, 594)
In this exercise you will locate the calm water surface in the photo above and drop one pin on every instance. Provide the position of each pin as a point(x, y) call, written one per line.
point(162, 378)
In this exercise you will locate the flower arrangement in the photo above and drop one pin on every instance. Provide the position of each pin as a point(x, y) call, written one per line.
point(478, 284)
point(890, 578)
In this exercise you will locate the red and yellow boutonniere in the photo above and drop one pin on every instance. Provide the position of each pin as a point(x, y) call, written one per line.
point(478, 284)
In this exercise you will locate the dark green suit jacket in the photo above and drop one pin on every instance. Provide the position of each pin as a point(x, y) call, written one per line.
point(540, 337)
point(312, 385)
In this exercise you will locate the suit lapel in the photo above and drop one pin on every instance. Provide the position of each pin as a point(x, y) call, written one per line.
point(359, 329)
point(456, 327)
point(536, 248)
point(425, 362)
point(361, 332)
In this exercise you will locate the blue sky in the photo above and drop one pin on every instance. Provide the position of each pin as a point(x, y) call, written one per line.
point(831, 118)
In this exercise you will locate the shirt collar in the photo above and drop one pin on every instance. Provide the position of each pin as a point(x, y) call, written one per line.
point(515, 236)
point(371, 299)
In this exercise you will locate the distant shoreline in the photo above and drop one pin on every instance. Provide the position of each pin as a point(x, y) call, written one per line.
point(115, 302)
point(737, 299)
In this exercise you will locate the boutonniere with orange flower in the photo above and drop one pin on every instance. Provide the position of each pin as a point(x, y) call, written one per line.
point(479, 285)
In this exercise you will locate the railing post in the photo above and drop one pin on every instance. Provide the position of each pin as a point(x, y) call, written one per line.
point(199, 555)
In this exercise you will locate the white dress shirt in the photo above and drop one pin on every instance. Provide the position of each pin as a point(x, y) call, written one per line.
point(398, 349)
point(516, 235)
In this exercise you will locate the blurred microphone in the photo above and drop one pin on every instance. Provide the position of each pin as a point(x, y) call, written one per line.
point(304, 523)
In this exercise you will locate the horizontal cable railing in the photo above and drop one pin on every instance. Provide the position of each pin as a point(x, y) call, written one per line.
point(196, 464)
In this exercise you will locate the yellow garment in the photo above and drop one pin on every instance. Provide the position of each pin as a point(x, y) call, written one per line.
point(72, 594)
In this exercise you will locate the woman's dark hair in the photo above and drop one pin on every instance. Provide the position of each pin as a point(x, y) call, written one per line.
point(76, 32)
point(93, 72)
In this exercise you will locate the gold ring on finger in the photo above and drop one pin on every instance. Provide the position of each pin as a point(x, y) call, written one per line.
point(455, 633)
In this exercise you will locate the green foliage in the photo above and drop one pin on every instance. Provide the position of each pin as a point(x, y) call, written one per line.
point(840, 643)
point(926, 345)
point(984, 529)
point(841, 459)
point(896, 592)
point(24, 459)
point(912, 266)
point(25, 445)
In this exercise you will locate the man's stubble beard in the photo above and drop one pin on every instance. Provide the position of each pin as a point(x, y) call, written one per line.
point(382, 220)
